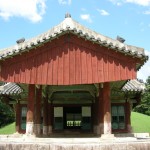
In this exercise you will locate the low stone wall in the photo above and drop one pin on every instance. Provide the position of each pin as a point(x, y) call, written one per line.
point(102, 146)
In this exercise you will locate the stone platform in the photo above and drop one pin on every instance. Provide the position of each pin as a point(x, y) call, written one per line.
point(24, 142)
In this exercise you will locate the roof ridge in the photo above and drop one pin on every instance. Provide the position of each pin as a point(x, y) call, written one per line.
point(72, 26)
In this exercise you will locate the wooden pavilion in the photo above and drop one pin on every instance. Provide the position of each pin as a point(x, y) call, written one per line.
point(73, 79)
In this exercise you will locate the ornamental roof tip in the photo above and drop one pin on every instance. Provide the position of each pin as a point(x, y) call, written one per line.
point(120, 39)
point(68, 25)
point(67, 15)
point(20, 40)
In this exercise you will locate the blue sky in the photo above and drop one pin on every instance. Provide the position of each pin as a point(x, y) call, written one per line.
point(129, 19)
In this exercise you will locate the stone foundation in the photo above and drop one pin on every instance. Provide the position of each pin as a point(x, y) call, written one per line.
point(73, 144)
point(29, 128)
point(49, 130)
point(45, 130)
point(37, 129)
point(107, 136)
point(99, 129)
point(107, 127)
point(95, 129)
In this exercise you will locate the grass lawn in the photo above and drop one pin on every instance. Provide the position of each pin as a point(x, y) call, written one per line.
point(9, 129)
point(139, 122)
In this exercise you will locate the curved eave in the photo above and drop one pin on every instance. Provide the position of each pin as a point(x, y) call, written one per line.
point(134, 86)
point(70, 26)
point(10, 89)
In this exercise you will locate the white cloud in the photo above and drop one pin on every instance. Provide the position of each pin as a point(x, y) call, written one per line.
point(103, 12)
point(116, 2)
point(86, 17)
point(144, 72)
point(138, 2)
point(64, 2)
point(30, 9)
point(146, 12)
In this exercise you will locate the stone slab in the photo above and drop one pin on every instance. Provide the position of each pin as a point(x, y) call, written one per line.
point(93, 143)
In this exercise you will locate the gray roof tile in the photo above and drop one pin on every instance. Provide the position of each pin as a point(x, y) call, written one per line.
point(14, 89)
point(10, 89)
point(69, 25)
point(134, 85)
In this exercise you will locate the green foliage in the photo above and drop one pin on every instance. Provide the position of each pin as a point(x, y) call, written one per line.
point(140, 122)
point(6, 114)
point(144, 106)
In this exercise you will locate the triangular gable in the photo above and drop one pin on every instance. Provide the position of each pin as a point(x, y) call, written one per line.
point(70, 54)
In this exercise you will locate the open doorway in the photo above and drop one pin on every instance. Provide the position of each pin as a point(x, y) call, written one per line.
point(72, 117)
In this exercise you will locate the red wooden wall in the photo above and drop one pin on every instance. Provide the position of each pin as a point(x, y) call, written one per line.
point(68, 60)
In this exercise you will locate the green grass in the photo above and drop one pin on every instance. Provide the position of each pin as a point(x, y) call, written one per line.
point(139, 122)
point(9, 129)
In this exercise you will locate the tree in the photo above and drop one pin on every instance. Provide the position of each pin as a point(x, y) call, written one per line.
point(6, 114)
point(144, 106)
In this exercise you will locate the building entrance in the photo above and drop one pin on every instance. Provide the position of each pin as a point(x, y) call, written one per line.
point(72, 117)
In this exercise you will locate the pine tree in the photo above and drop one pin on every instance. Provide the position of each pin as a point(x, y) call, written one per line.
point(6, 114)
point(144, 106)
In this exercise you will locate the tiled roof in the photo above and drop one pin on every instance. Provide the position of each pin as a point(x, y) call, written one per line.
point(10, 89)
point(14, 89)
point(134, 86)
point(68, 25)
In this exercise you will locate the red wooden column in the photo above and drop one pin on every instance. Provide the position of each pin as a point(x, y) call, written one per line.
point(37, 125)
point(105, 111)
point(18, 116)
point(107, 108)
point(30, 110)
point(50, 118)
point(100, 111)
point(45, 116)
point(94, 109)
point(128, 115)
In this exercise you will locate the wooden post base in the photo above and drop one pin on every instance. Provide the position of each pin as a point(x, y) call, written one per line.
point(49, 130)
point(129, 128)
point(107, 136)
point(37, 129)
point(99, 129)
point(29, 128)
point(45, 130)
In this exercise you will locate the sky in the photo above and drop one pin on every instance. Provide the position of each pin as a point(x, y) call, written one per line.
point(129, 19)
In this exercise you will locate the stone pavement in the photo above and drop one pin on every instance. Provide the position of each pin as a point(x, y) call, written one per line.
point(24, 142)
